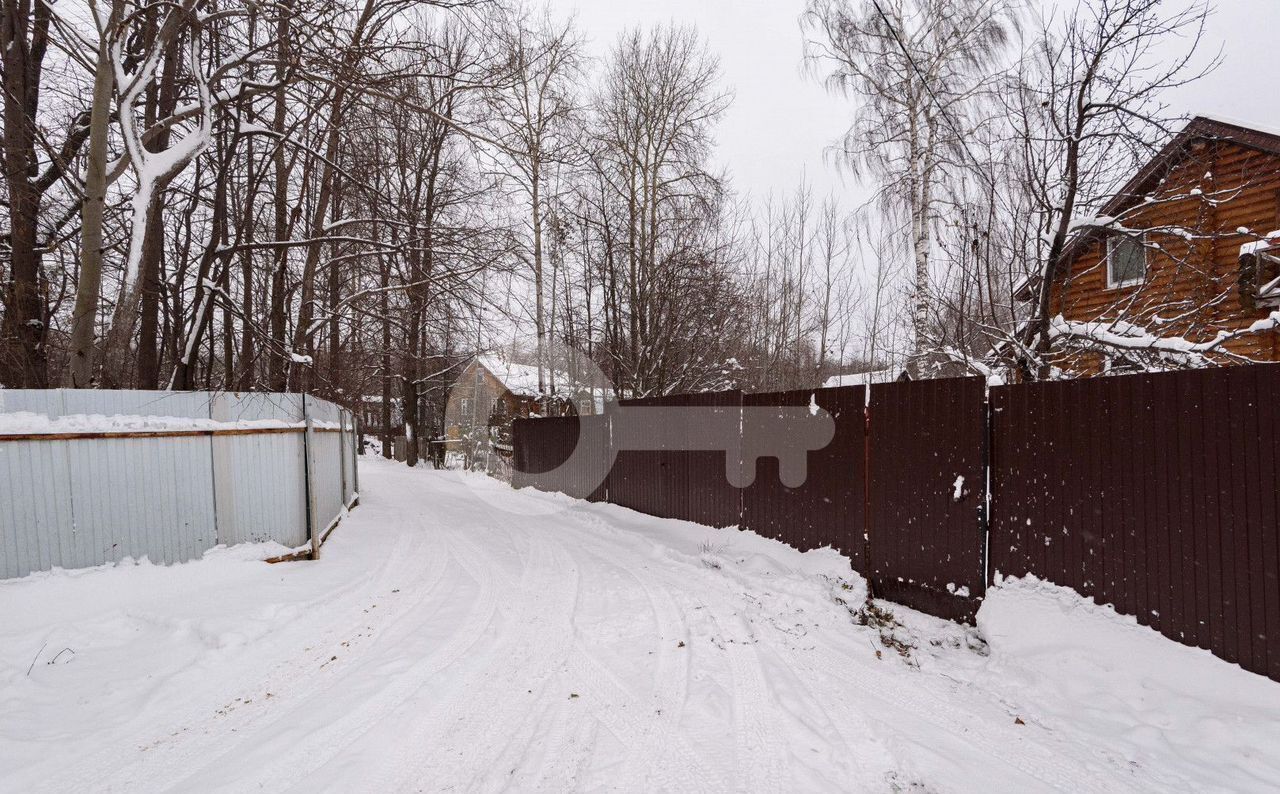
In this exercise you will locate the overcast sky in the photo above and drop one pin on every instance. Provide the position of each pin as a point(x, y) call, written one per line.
point(782, 120)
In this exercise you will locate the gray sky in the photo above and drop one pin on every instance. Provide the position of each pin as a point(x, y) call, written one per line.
point(782, 120)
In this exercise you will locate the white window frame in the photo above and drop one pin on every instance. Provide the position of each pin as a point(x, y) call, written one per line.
point(465, 407)
point(1112, 242)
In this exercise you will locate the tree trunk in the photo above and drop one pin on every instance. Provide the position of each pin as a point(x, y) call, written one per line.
point(279, 356)
point(152, 290)
point(539, 312)
point(84, 317)
point(23, 355)
point(153, 245)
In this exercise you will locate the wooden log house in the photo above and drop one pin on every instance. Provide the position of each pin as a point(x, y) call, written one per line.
point(1188, 249)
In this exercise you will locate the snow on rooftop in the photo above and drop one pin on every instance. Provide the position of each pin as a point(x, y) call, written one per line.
point(522, 379)
point(1272, 240)
point(862, 378)
point(1235, 122)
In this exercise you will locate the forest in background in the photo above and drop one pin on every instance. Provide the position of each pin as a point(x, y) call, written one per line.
point(353, 198)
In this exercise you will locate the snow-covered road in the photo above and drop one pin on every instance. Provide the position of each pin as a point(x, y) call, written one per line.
point(460, 636)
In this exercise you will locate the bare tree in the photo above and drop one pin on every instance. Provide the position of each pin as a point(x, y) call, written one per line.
point(662, 210)
point(1087, 104)
point(916, 67)
point(534, 115)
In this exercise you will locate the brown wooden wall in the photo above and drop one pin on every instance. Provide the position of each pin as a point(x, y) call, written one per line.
point(1244, 184)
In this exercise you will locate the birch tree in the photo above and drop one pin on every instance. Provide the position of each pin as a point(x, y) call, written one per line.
point(534, 115)
point(916, 69)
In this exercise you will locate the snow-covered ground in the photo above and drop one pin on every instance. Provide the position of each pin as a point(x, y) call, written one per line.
point(460, 636)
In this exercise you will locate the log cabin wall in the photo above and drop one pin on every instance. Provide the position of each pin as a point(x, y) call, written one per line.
point(1213, 188)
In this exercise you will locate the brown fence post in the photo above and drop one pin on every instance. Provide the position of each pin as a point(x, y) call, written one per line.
point(866, 489)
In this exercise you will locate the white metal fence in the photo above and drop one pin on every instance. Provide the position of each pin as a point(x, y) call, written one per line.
point(97, 476)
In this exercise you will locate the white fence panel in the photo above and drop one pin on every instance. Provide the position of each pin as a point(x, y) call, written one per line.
point(132, 402)
point(47, 402)
point(252, 406)
point(167, 496)
point(141, 497)
point(37, 528)
point(260, 490)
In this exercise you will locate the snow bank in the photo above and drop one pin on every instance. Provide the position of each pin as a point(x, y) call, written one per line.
point(458, 634)
point(1158, 703)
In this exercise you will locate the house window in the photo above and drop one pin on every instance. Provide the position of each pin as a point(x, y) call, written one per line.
point(1259, 282)
point(466, 407)
point(1126, 261)
point(1120, 365)
point(584, 408)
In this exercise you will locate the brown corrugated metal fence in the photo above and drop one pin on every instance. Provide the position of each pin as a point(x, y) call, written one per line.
point(543, 446)
point(828, 509)
point(688, 485)
point(927, 444)
point(1156, 493)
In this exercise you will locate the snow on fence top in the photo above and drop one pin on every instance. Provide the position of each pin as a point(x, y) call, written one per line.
point(88, 477)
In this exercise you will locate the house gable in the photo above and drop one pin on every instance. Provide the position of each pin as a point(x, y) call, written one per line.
point(1215, 187)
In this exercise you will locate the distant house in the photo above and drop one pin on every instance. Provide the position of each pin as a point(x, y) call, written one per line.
point(864, 378)
point(491, 392)
point(1184, 251)
point(371, 419)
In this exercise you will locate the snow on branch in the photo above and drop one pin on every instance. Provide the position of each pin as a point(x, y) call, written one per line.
point(1122, 335)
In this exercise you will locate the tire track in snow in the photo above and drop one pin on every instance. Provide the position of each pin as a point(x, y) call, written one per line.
point(757, 747)
point(671, 671)
point(756, 744)
point(653, 746)
point(319, 747)
point(454, 743)
point(569, 742)
point(993, 740)
point(183, 748)
point(872, 761)
point(623, 715)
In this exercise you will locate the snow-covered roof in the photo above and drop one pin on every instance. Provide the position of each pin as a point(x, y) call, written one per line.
point(1241, 123)
point(522, 379)
point(1268, 243)
point(862, 378)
